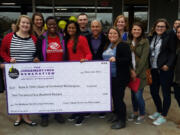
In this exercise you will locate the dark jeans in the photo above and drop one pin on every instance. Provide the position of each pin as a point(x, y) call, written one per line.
point(177, 93)
point(138, 101)
point(163, 79)
point(118, 96)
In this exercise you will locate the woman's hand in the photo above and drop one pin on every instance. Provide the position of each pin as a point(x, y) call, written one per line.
point(2, 66)
point(36, 60)
point(165, 68)
point(133, 74)
point(12, 60)
point(83, 60)
point(112, 59)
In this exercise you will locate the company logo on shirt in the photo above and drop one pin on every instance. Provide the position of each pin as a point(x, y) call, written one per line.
point(54, 45)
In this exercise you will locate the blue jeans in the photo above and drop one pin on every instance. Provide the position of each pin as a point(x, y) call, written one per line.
point(138, 101)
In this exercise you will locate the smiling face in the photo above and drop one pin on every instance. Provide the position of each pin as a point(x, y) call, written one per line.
point(38, 21)
point(160, 28)
point(51, 26)
point(136, 31)
point(121, 24)
point(82, 21)
point(113, 36)
point(24, 25)
point(71, 29)
point(96, 28)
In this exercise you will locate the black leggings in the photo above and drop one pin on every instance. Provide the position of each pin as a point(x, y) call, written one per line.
point(118, 99)
point(163, 79)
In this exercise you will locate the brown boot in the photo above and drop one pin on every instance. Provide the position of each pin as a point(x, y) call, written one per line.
point(178, 126)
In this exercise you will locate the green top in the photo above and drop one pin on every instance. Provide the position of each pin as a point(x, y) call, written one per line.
point(141, 51)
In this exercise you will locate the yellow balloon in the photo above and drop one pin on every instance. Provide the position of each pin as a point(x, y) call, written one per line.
point(73, 18)
point(62, 24)
point(45, 26)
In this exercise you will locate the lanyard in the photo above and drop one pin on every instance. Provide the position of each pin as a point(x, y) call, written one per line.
point(156, 42)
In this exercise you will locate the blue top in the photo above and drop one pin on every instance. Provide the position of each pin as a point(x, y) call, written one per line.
point(125, 36)
point(107, 54)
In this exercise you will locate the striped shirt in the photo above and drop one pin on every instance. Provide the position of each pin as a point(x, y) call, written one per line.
point(22, 49)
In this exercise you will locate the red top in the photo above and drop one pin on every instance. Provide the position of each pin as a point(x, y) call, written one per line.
point(54, 50)
point(82, 50)
point(5, 46)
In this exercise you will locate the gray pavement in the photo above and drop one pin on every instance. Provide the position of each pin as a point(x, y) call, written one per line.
point(93, 125)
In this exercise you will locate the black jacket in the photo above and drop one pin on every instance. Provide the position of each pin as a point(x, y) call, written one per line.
point(123, 63)
point(167, 53)
point(98, 55)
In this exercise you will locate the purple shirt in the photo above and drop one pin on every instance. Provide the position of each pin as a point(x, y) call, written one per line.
point(95, 43)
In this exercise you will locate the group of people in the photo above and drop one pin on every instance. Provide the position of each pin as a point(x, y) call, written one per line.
point(130, 52)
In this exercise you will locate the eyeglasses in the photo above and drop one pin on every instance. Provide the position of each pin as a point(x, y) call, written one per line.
point(161, 27)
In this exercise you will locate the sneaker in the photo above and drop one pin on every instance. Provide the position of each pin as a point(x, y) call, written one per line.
point(140, 120)
point(132, 117)
point(154, 116)
point(160, 120)
point(102, 115)
point(44, 122)
point(79, 121)
point(72, 117)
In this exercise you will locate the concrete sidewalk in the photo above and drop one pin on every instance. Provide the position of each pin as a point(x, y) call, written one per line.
point(93, 125)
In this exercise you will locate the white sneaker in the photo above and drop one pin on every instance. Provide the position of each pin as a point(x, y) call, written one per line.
point(154, 116)
point(159, 121)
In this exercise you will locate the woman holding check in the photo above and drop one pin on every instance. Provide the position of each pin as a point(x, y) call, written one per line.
point(20, 47)
point(119, 54)
point(77, 50)
point(50, 47)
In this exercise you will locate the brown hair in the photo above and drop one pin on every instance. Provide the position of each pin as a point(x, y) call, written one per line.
point(125, 19)
point(19, 20)
point(37, 14)
point(142, 36)
point(152, 32)
point(119, 34)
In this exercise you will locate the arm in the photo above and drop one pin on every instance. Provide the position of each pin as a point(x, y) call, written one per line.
point(86, 50)
point(171, 50)
point(38, 52)
point(143, 58)
point(5, 49)
point(123, 54)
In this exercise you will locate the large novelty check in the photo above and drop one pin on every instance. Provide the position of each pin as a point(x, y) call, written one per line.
point(58, 87)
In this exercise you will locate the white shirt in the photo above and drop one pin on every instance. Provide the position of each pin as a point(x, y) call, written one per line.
point(133, 57)
point(155, 47)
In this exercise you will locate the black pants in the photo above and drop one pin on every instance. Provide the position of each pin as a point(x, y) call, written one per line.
point(118, 96)
point(1, 82)
point(163, 79)
point(177, 93)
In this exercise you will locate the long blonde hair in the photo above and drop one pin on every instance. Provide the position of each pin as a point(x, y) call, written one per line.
point(125, 19)
point(19, 20)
